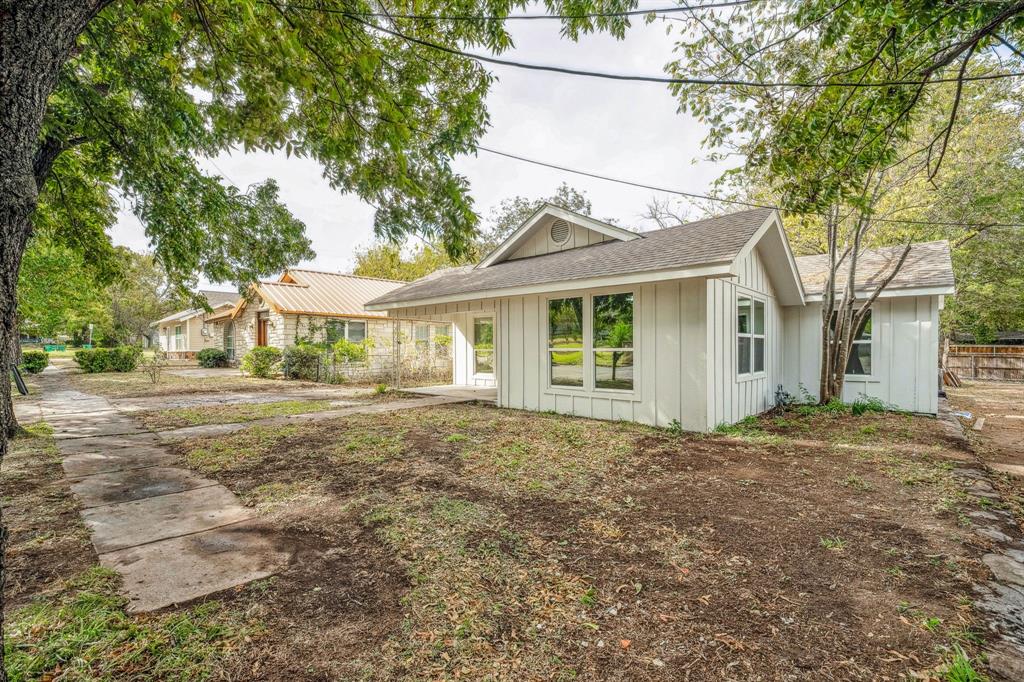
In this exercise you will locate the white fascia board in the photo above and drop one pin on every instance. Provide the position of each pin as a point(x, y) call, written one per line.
point(896, 293)
point(774, 220)
point(721, 269)
point(520, 235)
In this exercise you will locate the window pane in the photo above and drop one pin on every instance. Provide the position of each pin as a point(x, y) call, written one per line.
point(743, 355)
point(356, 331)
point(864, 333)
point(334, 330)
point(613, 321)
point(483, 333)
point(441, 330)
point(565, 323)
point(483, 361)
point(567, 368)
point(613, 369)
point(758, 355)
point(422, 336)
point(759, 317)
point(742, 315)
point(859, 361)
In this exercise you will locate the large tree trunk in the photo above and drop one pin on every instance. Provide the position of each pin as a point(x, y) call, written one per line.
point(37, 38)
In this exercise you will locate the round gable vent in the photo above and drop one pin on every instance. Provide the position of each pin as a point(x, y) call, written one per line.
point(560, 231)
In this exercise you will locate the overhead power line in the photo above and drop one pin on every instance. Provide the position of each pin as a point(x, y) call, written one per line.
point(725, 4)
point(651, 79)
point(734, 202)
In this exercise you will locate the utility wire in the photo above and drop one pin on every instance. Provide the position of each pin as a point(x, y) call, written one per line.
point(522, 17)
point(735, 202)
point(655, 79)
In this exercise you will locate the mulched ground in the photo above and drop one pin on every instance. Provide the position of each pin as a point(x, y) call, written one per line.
point(472, 542)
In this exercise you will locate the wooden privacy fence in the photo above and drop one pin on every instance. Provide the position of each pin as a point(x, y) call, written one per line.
point(989, 363)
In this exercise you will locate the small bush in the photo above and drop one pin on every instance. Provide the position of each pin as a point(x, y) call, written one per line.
point(212, 357)
point(34, 361)
point(864, 404)
point(380, 389)
point(120, 359)
point(261, 361)
point(302, 362)
point(124, 358)
point(349, 351)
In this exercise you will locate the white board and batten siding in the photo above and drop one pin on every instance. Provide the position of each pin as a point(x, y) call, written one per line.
point(668, 369)
point(540, 242)
point(732, 397)
point(904, 356)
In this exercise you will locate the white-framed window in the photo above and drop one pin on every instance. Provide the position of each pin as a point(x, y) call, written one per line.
point(613, 341)
point(422, 336)
point(351, 330)
point(859, 362)
point(750, 337)
point(591, 343)
point(565, 341)
point(483, 345)
point(229, 340)
point(179, 338)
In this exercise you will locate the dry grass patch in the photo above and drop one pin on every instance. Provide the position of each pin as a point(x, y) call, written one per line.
point(483, 543)
point(138, 384)
point(228, 414)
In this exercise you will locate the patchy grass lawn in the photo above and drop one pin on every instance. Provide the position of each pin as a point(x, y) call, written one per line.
point(64, 618)
point(473, 542)
point(228, 414)
point(83, 633)
point(47, 540)
point(138, 384)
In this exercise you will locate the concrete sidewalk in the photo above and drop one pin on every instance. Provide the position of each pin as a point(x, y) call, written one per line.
point(172, 534)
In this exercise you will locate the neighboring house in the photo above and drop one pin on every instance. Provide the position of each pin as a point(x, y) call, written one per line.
point(185, 333)
point(699, 323)
point(322, 307)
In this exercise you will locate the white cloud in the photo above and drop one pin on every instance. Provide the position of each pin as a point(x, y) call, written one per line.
point(622, 129)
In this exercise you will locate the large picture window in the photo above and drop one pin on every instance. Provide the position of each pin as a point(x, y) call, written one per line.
point(613, 341)
point(483, 345)
point(859, 362)
point(750, 344)
point(565, 341)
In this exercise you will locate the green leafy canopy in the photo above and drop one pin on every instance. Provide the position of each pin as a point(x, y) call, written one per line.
point(154, 86)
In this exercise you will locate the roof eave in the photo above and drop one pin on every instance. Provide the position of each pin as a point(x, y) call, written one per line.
point(895, 292)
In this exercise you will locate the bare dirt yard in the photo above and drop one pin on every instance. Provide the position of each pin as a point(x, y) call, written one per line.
point(1000, 441)
point(472, 542)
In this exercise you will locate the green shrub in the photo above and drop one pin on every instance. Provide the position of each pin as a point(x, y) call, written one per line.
point(261, 361)
point(124, 358)
point(120, 359)
point(349, 351)
point(34, 361)
point(302, 362)
point(212, 357)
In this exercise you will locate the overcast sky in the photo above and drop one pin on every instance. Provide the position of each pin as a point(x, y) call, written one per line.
point(621, 129)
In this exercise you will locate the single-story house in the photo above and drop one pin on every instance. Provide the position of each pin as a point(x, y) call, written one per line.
point(698, 324)
point(310, 306)
point(184, 333)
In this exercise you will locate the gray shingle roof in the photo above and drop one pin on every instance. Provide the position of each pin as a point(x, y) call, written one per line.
point(713, 240)
point(928, 265)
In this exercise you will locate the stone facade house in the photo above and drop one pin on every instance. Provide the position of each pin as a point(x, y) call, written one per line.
point(314, 307)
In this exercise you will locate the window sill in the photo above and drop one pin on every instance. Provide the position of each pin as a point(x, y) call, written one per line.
point(862, 378)
point(744, 378)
